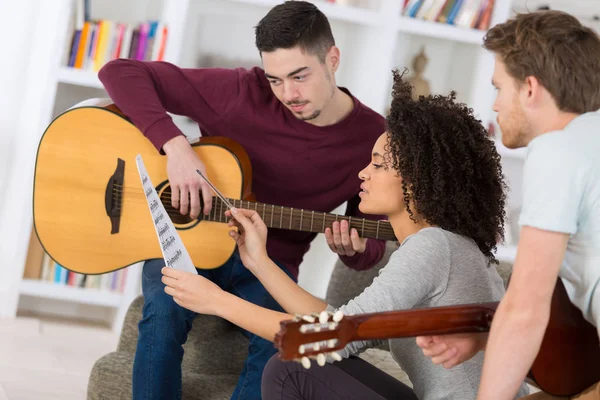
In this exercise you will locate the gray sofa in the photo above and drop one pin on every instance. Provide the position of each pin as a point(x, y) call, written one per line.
point(215, 350)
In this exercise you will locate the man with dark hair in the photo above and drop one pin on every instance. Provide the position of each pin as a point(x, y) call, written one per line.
point(548, 79)
point(306, 138)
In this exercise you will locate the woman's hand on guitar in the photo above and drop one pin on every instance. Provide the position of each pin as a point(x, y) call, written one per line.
point(186, 184)
point(343, 241)
point(192, 291)
point(251, 237)
point(454, 349)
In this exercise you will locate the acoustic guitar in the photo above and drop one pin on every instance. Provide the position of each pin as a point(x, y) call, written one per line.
point(568, 361)
point(90, 212)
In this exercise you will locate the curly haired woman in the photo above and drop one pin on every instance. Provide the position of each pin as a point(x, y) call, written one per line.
point(437, 176)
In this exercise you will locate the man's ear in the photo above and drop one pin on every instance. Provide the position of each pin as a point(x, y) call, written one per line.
point(537, 94)
point(533, 92)
point(333, 58)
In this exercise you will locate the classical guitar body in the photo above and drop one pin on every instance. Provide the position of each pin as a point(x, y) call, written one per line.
point(89, 209)
point(569, 359)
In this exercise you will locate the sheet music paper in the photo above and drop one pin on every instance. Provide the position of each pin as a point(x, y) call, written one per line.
point(174, 252)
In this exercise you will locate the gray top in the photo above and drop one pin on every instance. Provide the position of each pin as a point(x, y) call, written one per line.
point(432, 268)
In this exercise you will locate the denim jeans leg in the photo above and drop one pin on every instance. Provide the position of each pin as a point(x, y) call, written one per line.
point(163, 330)
point(245, 285)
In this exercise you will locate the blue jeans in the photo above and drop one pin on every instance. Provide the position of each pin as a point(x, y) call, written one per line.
point(164, 327)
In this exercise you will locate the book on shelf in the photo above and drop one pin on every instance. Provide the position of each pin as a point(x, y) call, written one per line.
point(473, 14)
point(40, 266)
point(96, 42)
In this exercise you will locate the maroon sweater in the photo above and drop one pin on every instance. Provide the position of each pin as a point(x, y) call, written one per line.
point(295, 164)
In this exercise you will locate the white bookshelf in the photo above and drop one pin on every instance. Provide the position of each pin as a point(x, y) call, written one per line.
point(440, 31)
point(79, 77)
point(56, 291)
point(172, 12)
point(372, 41)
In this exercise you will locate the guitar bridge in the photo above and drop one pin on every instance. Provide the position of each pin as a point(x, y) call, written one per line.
point(113, 196)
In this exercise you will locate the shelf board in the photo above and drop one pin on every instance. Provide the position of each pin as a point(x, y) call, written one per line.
point(335, 12)
point(506, 253)
point(510, 153)
point(50, 290)
point(357, 15)
point(439, 30)
point(80, 77)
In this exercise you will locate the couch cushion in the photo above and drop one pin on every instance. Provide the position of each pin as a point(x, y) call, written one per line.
point(110, 379)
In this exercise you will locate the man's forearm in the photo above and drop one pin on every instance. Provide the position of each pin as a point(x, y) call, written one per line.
point(512, 346)
point(286, 292)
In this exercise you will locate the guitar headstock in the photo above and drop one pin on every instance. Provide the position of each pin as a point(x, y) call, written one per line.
point(314, 336)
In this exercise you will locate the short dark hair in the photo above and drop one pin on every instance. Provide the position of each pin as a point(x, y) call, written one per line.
point(449, 166)
point(558, 50)
point(295, 23)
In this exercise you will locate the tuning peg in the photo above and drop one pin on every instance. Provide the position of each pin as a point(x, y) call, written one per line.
point(308, 318)
point(321, 359)
point(335, 355)
point(323, 317)
point(338, 315)
point(305, 362)
point(301, 349)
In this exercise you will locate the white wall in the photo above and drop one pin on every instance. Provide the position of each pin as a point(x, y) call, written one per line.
point(31, 92)
point(15, 20)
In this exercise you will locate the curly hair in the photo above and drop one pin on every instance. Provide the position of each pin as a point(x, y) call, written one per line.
point(449, 166)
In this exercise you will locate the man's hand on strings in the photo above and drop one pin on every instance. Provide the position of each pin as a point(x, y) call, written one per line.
point(452, 349)
point(186, 184)
point(343, 241)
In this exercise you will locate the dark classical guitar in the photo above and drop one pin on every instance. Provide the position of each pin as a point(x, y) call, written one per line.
point(568, 361)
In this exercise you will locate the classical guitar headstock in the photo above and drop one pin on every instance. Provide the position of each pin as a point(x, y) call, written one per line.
point(314, 336)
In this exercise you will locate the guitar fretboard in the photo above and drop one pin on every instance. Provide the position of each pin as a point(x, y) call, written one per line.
point(302, 220)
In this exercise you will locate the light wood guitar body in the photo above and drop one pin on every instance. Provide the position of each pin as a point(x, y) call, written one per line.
point(90, 212)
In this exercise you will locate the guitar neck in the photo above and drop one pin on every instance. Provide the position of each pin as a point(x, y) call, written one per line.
point(302, 220)
point(426, 321)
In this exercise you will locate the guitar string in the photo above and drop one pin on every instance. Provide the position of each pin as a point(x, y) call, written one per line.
point(383, 230)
